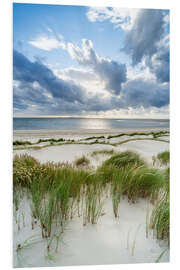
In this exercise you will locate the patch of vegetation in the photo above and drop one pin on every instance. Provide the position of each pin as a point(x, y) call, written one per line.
point(51, 140)
point(154, 134)
point(135, 182)
point(91, 138)
point(125, 159)
point(16, 143)
point(93, 206)
point(160, 134)
point(82, 161)
point(58, 192)
point(160, 218)
point(103, 152)
point(162, 158)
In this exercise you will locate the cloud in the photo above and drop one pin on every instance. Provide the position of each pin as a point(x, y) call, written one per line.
point(27, 72)
point(111, 73)
point(143, 38)
point(146, 35)
point(77, 74)
point(38, 91)
point(121, 17)
point(146, 93)
point(47, 43)
point(33, 99)
point(159, 62)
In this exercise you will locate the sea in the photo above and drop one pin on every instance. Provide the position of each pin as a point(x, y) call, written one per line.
point(87, 123)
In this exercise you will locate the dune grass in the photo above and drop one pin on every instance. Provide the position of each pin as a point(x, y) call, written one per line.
point(51, 140)
point(162, 158)
point(125, 159)
point(82, 161)
point(15, 143)
point(58, 192)
point(93, 205)
point(153, 134)
point(93, 137)
point(160, 218)
point(103, 152)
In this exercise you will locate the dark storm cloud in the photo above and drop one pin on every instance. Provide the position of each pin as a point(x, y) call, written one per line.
point(146, 32)
point(26, 71)
point(160, 65)
point(37, 90)
point(31, 94)
point(145, 93)
point(33, 98)
point(112, 73)
point(18, 103)
point(134, 94)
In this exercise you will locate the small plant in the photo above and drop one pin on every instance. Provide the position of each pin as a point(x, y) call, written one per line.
point(161, 255)
point(82, 161)
point(27, 243)
point(134, 241)
point(103, 152)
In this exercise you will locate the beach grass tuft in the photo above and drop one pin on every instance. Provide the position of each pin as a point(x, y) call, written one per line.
point(82, 161)
point(125, 159)
point(162, 158)
point(103, 152)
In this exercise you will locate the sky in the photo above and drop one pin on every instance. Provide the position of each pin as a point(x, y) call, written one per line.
point(90, 62)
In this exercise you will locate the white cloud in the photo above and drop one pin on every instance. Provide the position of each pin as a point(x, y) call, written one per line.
point(47, 43)
point(120, 17)
point(111, 73)
point(141, 71)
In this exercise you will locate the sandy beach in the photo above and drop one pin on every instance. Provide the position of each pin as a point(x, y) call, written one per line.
point(46, 133)
point(111, 241)
point(68, 153)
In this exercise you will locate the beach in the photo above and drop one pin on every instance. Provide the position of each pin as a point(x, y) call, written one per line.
point(68, 153)
point(112, 240)
point(91, 135)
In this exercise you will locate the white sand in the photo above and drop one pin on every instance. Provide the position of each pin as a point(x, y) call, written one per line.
point(104, 243)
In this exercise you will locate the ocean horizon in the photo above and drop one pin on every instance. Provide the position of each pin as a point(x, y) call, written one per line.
point(71, 123)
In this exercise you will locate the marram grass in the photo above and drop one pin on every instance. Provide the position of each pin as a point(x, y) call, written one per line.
point(160, 218)
point(125, 159)
point(82, 161)
point(58, 192)
point(162, 158)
